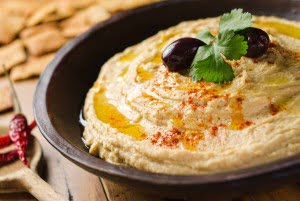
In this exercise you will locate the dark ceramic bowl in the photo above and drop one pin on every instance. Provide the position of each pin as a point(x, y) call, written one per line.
point(65, 82)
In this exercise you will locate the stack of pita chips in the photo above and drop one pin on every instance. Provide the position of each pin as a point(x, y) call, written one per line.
point(31, 31)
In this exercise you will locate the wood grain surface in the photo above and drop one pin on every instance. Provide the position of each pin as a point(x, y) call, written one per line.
point(77, 184)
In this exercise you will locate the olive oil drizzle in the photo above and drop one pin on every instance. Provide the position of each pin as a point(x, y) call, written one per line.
point(238, 122)
point(128, 57)
point(143, 75)
point(109, 114)
point(286, 29)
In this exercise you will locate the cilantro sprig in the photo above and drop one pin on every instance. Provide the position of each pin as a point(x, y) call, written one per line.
point(209, 64)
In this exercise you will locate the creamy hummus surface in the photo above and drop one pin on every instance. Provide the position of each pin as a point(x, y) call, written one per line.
point(141, 115)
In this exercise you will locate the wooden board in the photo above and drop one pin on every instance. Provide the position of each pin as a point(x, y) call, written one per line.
point(66, 178)
point(116, 192)
point(77, 184)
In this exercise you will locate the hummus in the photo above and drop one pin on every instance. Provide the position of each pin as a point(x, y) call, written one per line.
point(141, 115)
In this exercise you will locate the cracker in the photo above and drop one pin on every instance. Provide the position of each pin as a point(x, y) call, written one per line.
point(57, 10)
point(41, 14)
point(33, 67)
point(67, 8)
point(83, 20)
point(11, 55)
point(31, 31)
point(10, 26)
point(43, 39)
point(121, 5)
point(79, 4)
point(5, 97)
point(23, 8)
point(62, 10)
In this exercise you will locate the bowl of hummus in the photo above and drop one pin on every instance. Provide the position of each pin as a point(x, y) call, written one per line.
point(203, 100)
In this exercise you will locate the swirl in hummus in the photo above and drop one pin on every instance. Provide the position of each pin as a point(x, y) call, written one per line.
point(141, 115)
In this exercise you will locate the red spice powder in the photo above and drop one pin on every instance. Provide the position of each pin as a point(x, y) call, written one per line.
point(155, 138)
point(173, 137)
point(273, 108)
point(182, 104)
point(214, 130)
point(244, 124)
point(235, 64)
point(248, 123)
point(240, 99)
point(143, 136)
point(272, 44)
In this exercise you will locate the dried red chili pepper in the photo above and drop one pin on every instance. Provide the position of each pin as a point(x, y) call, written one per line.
point(32, 126)
point(18, 132)
point(5, 141)
point(8, 157)
point(18, 127)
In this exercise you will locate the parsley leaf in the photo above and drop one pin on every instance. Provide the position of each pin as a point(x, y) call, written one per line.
point(209, 63)
point(202, 53)
point(232, 46)
point(205, 36)
point(235, 20)
point(209, 70)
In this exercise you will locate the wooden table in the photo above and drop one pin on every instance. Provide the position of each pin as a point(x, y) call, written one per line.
point(77, 184)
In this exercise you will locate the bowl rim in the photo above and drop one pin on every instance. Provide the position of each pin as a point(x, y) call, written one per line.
point(100, 167)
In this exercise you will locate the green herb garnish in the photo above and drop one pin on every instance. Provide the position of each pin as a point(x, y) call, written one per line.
point(209, 64)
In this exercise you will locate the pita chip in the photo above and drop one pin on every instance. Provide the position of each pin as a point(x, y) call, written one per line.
point(67, 8)
point(10, 26)
point(40, 14)
point(83, 20)
point(57, 10)
point(121, 5)
point(5, 96)
point(62, 10)
point(22, 8)
point(79, 4)
point(43, 40)
point(33, 67)
point(11, 55)
point(31, 31)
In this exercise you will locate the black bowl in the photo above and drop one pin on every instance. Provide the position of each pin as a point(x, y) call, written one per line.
point(65, 82)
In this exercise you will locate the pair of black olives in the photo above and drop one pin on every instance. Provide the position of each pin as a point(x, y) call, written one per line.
point(180, 54)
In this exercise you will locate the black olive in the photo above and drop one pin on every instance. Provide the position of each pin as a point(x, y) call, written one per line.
point(180, 54)
point(258, 41)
